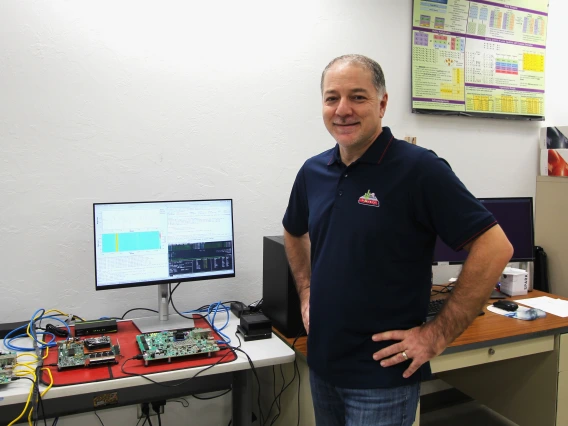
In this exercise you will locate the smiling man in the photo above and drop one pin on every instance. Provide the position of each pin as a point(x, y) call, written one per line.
point(353, 108)
point(359, 232)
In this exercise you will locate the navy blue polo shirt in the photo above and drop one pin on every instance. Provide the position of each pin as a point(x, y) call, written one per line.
point(373, 227)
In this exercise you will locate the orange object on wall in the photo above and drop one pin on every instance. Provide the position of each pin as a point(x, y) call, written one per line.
point(557, 165)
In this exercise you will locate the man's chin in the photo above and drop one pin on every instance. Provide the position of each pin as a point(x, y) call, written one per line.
point(345, 140)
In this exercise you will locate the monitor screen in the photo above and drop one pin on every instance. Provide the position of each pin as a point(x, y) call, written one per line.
point(162, 242)
point(515, 216)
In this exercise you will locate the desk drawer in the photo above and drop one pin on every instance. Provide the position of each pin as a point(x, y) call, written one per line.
point(492, 354)
point(563, 358)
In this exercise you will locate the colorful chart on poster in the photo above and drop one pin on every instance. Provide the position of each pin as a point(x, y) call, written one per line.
point(479, 57)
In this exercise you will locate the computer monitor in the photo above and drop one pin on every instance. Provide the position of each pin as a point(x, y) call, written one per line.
point(515, 215)
point(159, 243)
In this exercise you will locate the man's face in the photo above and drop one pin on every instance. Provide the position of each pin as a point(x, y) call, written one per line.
point(352, 109)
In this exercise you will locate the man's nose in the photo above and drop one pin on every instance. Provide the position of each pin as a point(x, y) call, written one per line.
point(344, 107)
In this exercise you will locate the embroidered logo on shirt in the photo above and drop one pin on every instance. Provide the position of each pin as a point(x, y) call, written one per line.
point(369, 199)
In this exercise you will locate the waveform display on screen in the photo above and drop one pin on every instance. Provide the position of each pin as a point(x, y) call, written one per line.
point(200, 257)
point(131, 241)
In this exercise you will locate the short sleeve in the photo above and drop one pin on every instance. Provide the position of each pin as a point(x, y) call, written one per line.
point(445, 205)
point(297, 213)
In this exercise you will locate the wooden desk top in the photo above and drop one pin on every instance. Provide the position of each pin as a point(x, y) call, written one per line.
point(489, 329)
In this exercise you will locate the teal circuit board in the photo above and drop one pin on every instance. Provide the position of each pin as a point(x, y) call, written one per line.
point(7, 364)
point(171, 344)
point(76, 352)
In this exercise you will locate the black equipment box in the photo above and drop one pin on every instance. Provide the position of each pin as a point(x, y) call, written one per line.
point(255, 327)
point(280, 301)
point(6, 328)
point(256, 324)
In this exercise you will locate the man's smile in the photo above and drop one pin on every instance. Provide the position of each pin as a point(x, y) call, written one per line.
point(342, 127)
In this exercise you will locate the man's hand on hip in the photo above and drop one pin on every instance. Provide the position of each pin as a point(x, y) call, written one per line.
point(419, 344)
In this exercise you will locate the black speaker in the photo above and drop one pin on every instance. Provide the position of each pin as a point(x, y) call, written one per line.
point(540, 270)
point(280, 301)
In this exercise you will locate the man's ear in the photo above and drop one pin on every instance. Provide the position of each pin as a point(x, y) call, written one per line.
point(383, 104)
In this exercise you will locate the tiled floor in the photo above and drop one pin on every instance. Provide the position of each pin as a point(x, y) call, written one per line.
point(466, 414)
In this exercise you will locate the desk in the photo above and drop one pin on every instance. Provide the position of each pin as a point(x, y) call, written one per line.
point(65, 400)
point(517, 368)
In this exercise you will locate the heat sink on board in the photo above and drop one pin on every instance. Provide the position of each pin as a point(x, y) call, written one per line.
point(76, 352)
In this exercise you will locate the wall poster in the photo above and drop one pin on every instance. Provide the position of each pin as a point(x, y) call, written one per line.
point(479, 58)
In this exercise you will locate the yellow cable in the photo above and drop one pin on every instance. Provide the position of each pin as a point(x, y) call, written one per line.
point(19, 374)
point(25, 407)
point(42, 394)
point(29, 334)
point(27, 354)
point(26, 364)
point(55, 310)
point(32, 337)
point(24, 373)
point(31, 371)
point(50, 381)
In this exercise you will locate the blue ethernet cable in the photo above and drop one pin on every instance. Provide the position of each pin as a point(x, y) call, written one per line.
point(9, 338)
point(207, 311)
point(226, 340)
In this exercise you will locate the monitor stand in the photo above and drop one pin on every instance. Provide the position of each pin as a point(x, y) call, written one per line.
point(163, 322)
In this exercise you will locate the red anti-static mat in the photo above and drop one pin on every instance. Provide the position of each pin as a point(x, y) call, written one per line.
point(126, 336)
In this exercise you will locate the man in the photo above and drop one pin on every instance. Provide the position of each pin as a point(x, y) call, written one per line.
point(360, 230)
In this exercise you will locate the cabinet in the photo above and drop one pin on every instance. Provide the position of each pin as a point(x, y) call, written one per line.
point(551, 229)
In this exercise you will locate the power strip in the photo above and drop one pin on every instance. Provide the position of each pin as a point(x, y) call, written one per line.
point(141, 415)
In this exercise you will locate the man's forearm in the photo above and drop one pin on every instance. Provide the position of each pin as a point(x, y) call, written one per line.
point(488, 256)
point(298, 253)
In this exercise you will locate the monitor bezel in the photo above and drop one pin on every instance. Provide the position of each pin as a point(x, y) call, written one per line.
point(513, 259)
point(168, 281)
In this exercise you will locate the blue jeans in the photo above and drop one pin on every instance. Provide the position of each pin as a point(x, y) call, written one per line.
point(335, 406)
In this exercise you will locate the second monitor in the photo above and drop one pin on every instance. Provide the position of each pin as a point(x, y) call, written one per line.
point(515, 216)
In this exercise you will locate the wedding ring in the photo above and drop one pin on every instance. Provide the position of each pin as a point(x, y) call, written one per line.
point(403, 353)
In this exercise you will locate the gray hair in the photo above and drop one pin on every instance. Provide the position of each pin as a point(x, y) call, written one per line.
point(365, 62)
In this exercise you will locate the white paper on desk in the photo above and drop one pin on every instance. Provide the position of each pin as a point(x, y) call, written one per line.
point(556, 307)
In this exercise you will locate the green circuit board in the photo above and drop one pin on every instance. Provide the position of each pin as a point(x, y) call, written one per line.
point(70, 353)
point(7, 363)
point(171, 344)
point(76, 352)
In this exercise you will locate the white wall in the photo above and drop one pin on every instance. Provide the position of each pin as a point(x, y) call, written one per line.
point(131, 101)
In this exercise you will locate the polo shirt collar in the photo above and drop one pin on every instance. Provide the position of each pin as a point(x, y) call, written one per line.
point(374, 153)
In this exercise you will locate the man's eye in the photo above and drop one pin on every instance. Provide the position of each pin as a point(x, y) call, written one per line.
point(359, 98)
point(330, 99)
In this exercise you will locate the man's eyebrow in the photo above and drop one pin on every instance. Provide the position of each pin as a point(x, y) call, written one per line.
point(355, 90)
